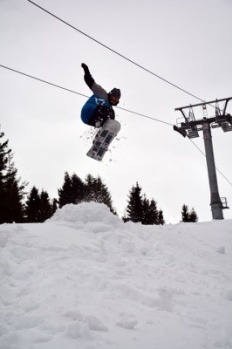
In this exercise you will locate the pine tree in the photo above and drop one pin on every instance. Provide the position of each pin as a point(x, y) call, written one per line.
point(65, 193)
point(145, 211)
point(96, 190)
point(45, 211)
point(153, 213)
point(89, 188)
point(161, 220)
point(11, 191)
point(38, 207)
point(149, 212)
point(78, 189)
point(33, 206)
point(54, 205)
point(103, 195)
point(193, 216)
point(4, 153)
point(134, 210)
point(72, 191)
point(185, 214)
point(141, 209)
point(188, 217)
point(14, 210)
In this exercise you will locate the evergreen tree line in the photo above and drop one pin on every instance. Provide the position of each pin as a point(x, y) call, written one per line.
point(38, 207)
point(74, 191)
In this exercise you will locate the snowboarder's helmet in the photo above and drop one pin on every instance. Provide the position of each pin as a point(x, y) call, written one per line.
point(115, 92)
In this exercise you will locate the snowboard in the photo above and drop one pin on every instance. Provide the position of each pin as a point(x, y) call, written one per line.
point(103, 139)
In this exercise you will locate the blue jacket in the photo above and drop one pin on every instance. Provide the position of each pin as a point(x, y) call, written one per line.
point(92, 103)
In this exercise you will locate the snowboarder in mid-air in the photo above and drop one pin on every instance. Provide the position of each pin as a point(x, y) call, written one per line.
point(98, 108)
point(98, 112)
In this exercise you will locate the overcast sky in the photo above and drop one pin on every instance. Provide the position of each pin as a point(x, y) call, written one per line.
point(186, 42)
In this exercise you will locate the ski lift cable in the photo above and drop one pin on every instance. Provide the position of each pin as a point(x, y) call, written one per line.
point(78, 93)
point(215, 166)
point(145, 116)
point(83, 95)
point(116, 52)
point(41, 80)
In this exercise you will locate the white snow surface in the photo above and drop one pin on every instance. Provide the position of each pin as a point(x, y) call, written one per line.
point(86, 280)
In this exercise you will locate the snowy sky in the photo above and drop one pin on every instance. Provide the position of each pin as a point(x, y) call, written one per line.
point(185, 42)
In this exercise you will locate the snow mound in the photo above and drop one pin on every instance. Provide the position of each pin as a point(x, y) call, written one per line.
point(86, 280)
point(86, 212)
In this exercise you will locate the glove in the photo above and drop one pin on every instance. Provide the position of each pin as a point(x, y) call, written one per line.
point(85, 67)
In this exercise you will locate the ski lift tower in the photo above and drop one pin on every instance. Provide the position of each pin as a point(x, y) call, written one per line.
point(190, 127)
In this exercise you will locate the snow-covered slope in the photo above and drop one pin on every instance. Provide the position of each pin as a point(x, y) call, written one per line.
point(86, 280)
